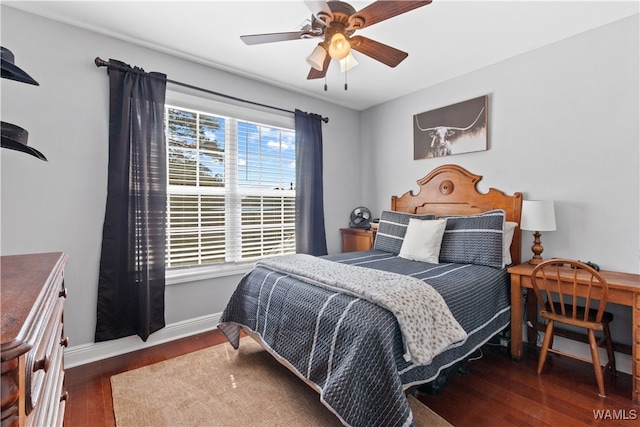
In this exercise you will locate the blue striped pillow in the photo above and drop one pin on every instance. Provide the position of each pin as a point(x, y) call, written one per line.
point(392, 228)
point(474, 239)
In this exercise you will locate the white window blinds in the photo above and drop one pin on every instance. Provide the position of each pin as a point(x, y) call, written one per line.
point(231, 189)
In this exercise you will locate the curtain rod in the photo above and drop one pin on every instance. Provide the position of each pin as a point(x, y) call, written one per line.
point(102, 63)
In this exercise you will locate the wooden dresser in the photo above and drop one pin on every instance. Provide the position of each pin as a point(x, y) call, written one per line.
point(33, 341)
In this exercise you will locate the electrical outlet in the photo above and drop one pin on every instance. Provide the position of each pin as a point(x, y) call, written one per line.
point(504, 342)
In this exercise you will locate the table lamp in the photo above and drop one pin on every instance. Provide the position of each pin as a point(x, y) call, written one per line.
point(537, 216)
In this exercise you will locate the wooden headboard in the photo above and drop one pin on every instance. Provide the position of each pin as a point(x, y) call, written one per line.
point(451, 190)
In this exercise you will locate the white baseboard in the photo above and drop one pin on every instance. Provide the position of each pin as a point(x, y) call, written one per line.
point(580, 349)
point(577, 348)
point(92, 352)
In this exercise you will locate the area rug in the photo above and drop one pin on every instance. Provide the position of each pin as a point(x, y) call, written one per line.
point(219, 386)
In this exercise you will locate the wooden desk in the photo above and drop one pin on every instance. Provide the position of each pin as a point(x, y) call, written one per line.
point(624, 289)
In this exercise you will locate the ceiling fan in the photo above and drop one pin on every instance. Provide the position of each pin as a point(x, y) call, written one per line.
point(335, 22)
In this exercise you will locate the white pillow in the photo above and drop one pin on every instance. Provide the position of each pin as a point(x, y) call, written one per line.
point(423, 240)
point(507, 237)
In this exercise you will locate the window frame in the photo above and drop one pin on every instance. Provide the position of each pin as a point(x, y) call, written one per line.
point(207, 103)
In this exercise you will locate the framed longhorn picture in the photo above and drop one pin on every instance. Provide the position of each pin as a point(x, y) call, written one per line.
point(454, 129)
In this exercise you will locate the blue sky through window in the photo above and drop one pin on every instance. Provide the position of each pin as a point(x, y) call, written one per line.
point(266, 157)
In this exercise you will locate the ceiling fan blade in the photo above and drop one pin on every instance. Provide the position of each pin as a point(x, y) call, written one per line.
point(274, 37)
point(379, 51)
point(317, 6)
point(318, 74)
point(384, 9)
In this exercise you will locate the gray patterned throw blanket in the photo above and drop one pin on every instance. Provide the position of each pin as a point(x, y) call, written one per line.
point(425, 321)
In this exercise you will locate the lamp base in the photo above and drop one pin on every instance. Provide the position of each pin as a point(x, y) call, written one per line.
point(537, 249)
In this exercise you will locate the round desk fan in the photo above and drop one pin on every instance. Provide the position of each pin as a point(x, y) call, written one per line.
point(360, 218)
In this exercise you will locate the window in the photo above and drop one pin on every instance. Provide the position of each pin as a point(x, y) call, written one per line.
point(231, 189)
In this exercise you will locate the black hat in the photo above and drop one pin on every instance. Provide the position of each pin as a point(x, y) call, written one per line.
point(15, 138)
point(10, 71)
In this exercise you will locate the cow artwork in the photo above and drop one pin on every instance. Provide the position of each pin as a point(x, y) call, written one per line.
point(455, 129)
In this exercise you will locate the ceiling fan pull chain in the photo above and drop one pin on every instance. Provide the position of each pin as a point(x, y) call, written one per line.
point(325, 83)
point(345, 79)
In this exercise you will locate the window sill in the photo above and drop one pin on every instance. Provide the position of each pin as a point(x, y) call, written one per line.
point(176, 277)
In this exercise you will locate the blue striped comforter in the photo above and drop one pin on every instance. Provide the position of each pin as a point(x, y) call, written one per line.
point(352, 349)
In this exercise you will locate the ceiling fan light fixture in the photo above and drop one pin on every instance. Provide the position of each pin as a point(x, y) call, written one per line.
point(339, 46)
point(316, 59)
point(348, 63)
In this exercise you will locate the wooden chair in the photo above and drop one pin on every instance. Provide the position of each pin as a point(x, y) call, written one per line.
point(561, 304)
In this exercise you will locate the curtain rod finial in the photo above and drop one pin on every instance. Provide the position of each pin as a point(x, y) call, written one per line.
point(100, 62)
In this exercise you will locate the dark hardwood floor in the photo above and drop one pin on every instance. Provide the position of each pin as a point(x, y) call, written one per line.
point(500, 392)
point(495, 392)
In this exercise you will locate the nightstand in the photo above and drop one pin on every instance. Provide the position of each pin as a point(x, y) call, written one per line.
point(357, 239)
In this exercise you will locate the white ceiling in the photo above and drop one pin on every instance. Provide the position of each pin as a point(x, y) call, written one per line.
point(445, 39)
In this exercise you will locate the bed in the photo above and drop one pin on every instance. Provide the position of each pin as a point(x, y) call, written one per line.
point(362, 328)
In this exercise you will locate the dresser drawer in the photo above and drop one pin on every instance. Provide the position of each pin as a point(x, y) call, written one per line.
point(44, 363)
point(44, 367)
point(47, 412)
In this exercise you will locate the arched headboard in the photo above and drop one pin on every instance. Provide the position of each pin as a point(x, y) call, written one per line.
point(451, 190)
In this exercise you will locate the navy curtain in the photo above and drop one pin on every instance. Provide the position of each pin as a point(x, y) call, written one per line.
point(310, 231)
point(131, 281)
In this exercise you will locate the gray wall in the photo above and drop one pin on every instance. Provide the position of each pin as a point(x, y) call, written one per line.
point(563, 125)
point(59, 205)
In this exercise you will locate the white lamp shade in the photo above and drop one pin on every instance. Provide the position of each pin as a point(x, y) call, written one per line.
point(538, 215)
point(316, 59)
point(348, 63)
